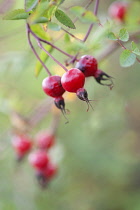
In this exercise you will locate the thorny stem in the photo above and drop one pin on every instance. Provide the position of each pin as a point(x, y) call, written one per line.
point(60, 64)
point(34, 51)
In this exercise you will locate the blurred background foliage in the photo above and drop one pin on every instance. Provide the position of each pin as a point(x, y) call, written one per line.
point(100, 149)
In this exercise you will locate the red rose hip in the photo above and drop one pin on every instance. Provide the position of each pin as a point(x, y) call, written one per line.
point(88, 65)
point(117, 10)
point(72, 80)
point(45, 140)
point(39, 159)
point(52, 86)
point(22, 144)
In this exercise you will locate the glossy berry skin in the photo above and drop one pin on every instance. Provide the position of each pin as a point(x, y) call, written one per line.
point(88, 65)
point(52, 86)
point(39, 159)
point(117, 10)
point(22, 144)
point(72, 80)
point(45, 140)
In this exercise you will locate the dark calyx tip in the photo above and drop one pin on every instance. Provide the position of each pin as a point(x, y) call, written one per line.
point(42, 181)
point(60, 104)
point(103, 77)
point(83, 95)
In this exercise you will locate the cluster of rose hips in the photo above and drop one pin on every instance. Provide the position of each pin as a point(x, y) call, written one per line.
point(39, 159)
point(73, 81)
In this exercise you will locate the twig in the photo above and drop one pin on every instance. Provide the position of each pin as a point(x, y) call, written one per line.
point(52, 57)
point(49, 43)
point(34, 51)
point(91, 26)
point(114, 46)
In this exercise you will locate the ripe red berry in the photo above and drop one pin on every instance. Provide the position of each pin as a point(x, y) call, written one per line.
point(22, 144)
point(39, 159)
point(101, 77)
point(52, 86)
point(88, 65)
point(45, 175)
point(72, 80)
point(45, 140)
point(117, 10)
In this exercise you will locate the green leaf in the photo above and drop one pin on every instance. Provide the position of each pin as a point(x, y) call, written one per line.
point(30, 4)
point(123, 35)
point(89, 17)
point(38, 13)
point(127, 58)
point(41, 20)
point(67, 38)
point(54, 26)
point(38, 30)
point(44, 57)
point(112, 36)
point(50, 11)
point(84, 15)
point(77, 10)
point(64, 19)
point(16, 15)
point(134, 48)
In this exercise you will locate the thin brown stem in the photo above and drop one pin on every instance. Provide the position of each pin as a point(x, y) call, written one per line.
point(49, 43)
point(34, 51)
point(52, 57)
point(91, 26)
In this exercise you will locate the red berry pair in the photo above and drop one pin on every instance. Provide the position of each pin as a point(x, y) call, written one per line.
point(89, 66)
point(45, 170)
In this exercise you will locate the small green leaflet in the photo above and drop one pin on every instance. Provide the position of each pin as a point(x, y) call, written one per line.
point(77, 10)
point(44, 57)
point(112, 36)
point(123, 35)
point(30, 4)
point(127, 58)
point(134, 48)
point(41, 20)
point(16, 15)
point(64, 19)
point(84, 15)
point(37, 15)
point(54, 26)
point(67, 38)
point(38, 30)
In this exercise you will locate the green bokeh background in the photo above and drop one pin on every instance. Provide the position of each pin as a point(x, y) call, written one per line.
point(100, 149)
